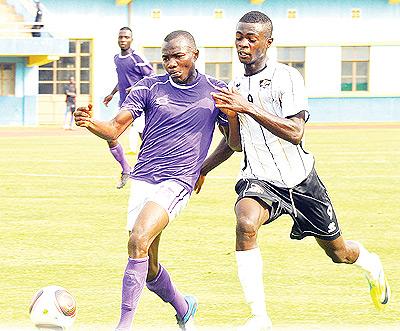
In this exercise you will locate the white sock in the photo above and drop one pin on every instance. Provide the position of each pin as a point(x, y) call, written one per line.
point(367, 261)
point(250, 272)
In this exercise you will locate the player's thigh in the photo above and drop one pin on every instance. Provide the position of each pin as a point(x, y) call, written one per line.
point(249, 211)
point(169, 196)
point(139, 193)
point(151, 220)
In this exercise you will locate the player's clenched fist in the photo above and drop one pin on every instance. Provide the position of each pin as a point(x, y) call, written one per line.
point(83, 116)
point(230, 101)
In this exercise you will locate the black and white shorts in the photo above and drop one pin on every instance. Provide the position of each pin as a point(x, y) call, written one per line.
point(307, 203)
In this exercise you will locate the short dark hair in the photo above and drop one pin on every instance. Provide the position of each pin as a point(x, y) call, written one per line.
point(256, 16)
point(182, 34)
point(126, 28)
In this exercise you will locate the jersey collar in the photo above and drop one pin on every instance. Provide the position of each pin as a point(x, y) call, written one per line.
point(267, 72)
point(185, 86)
point(127, 55)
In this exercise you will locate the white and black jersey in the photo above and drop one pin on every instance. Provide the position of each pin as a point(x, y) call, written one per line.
point(279, 90)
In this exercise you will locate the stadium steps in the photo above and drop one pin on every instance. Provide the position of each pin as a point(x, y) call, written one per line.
point(10, 20)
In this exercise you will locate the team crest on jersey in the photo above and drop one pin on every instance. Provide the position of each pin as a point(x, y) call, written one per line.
point(265, 82)
point(162, 101)
point(255, 188)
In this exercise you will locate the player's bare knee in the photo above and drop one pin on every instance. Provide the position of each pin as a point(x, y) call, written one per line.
point(138, 245)
point(246, 228)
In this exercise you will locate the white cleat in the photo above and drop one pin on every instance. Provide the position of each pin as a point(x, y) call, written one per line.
point(379, 287)
point(257, 323)
point(124, 179)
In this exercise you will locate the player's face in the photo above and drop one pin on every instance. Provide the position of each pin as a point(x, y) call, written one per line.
point(179, 60)
point(252, 42)
point(124, 39)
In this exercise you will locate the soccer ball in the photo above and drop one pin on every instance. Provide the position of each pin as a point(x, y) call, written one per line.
point(53, 308)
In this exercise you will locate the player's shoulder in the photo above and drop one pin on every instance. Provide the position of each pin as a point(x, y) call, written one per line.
point(138, 57)
point(214, 82)
point(153, 80)
point(283, 69)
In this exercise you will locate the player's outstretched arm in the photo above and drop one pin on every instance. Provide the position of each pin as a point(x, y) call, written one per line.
point(233, 138)
point(109, 97)
point(222, 153)
point(290, 129)
point(109, 130)
point(225, 101)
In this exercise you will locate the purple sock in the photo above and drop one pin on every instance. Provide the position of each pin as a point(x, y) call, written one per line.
point(132, 286)
point(163, 287)
point(119, 155)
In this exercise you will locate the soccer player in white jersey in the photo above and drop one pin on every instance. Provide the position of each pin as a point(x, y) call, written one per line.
point(267, 111)
point(180, 121)
point(131, 67)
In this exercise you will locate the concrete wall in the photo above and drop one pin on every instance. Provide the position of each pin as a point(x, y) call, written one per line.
point(20, 109)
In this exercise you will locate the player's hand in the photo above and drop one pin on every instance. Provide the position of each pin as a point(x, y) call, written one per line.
point(107, 99)
point(230, 101)
point(199, 183)
point(83, 116)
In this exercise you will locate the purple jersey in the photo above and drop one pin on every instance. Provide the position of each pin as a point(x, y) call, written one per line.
point(130, 69)
point(180, 122)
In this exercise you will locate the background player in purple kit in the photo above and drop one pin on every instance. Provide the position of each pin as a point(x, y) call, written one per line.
point(130, 68)
point(180, 120)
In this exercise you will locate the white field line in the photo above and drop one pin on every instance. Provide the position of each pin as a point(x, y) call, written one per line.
point(198, 328)
point(209, 176)
point(55, 175)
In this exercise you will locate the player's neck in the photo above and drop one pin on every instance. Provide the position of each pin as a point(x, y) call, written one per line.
point(192, 77)
point(255, 68)
point(126, 51)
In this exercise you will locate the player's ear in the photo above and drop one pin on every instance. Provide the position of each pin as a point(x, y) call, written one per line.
point(196, 54)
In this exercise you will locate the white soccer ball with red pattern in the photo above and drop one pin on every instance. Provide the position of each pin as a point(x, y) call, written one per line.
point(53, 307)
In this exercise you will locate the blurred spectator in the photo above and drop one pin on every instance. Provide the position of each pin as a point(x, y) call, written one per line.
point(70, 99)
point(38, 19)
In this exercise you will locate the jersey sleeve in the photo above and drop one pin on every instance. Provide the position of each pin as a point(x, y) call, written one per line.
point(293, 98)
point(222, 119)
point(137, 100)
point(143, 67)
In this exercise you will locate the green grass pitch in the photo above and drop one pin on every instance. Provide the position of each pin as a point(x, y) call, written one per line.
point(63, 222)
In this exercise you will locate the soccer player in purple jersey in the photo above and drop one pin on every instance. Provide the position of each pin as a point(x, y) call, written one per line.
point(131, 68)
point(180, 121)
